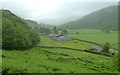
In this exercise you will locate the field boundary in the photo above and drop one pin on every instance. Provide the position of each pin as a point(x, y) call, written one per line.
point(115, 44)
point(74, 49)
point(85, 33)
point(88, 42)
point(95, 43)
point(60, 47)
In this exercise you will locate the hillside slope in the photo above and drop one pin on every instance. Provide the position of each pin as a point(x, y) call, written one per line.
point(101, 19)
point(45, 60)
point(16, 34)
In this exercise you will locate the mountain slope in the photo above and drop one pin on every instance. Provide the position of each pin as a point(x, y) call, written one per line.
point(101, 19)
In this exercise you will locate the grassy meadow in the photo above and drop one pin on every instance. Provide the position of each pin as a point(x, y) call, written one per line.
point(41, 60)
point(46, 41)
point(95, 35)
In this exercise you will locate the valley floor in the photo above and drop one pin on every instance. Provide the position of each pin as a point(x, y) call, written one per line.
point(54, 60)
point(96, 36)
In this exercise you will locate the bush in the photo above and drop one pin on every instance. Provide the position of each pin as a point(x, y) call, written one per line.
point(60, 58)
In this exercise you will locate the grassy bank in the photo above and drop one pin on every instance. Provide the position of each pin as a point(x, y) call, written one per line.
point(41, 60)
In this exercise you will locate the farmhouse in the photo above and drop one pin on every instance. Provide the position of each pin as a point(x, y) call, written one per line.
point(97, 48)
point(60, 36)
point(63, 38)
point(55, 35)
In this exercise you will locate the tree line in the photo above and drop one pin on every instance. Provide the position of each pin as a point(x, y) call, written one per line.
point(42, 30)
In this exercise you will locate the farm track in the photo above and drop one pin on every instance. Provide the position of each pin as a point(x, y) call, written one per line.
point(71, 49)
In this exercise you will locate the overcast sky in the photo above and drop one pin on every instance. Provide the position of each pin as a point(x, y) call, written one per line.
point(54, 12)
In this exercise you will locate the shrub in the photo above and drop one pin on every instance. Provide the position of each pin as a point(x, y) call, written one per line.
point(56, 69)
point(60, 58)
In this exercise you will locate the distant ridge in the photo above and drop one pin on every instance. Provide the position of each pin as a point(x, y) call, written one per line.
point(106, 18)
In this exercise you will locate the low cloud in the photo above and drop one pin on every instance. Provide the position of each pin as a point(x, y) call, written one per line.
point(61, 12)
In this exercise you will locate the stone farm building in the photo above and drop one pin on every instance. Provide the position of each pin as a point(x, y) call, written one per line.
point(60, 36)
point(97, 48)
point(63, 38)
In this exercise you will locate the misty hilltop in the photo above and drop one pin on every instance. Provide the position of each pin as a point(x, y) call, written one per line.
point(34, 24)
point(106, 18)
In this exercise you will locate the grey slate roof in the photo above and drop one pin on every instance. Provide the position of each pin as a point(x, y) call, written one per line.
point(63, 38)
point(97, 48)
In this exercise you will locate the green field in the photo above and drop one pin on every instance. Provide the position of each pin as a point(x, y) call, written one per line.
point(41, 60)
point(46, 41)
point(96, 36)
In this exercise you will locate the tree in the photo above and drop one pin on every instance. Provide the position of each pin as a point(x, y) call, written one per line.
point(77, 32)
point(106, 47)
point(55, 30)
point(107, 31)
point(42, 30)
point(65, 31)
